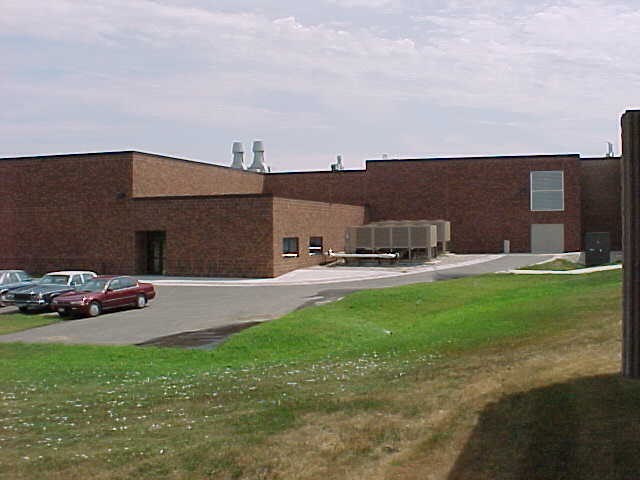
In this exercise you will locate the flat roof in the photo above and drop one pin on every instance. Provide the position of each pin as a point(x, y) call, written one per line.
point(125, 152)
point(489, 157)
point(388, 160)
point(201, 197)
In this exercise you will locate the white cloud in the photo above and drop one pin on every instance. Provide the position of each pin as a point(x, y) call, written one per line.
point(551, 64)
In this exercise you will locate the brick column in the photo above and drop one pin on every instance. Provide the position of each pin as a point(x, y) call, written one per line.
point(631, 243)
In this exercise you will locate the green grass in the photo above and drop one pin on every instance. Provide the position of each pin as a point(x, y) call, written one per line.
point(119, 412)
point(15, 322)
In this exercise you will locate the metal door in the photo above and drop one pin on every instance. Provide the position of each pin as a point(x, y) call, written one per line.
point(547, 238)
point(155, 253)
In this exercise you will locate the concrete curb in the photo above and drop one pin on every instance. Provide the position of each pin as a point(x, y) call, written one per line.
point(579, 271)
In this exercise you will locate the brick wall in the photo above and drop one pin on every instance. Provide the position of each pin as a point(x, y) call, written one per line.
point(303, 219)
point(80, 211)
point(76, 212)
point(486, 199)
point(601, 198)
point(224, 236)
point(346, 186)
point(64, 211)
point(154, 175)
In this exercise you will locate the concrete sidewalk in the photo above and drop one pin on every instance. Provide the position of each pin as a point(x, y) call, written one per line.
point(329, 274)
point(576, 257)
point(577, 271)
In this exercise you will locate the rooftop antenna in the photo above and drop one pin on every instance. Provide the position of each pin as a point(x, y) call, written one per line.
point(609, 149)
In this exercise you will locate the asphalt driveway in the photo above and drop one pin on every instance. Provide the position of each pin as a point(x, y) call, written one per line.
point(188, 308)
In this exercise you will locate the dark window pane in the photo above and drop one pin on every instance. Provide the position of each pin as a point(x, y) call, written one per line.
point(315, 245)
point(290, 245)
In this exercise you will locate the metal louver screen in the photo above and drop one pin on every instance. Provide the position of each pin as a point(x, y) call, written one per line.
point(350, 240)
point(364, 238)
point(400, 237)
point(382, 237)
point(419, 237)
point(547, 190)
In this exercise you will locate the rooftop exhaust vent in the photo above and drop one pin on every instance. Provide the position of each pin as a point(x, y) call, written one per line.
point(258, 164)
point(609, 149)
point(238, 156)
point(336, 167)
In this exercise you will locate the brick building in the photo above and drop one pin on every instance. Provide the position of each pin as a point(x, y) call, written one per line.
point(133, 212)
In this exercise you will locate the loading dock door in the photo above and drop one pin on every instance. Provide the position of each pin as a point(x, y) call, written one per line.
point(547, 238)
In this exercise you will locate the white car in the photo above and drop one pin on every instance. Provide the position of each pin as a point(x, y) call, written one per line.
point(39, 295)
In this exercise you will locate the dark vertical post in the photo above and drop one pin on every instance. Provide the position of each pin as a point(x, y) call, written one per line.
point(631, 243)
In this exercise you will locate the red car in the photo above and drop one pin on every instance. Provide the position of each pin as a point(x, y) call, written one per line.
point(104, 293)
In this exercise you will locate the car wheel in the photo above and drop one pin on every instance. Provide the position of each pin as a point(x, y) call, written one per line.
point(95, 309)
point(141, 301)
point(23, 309)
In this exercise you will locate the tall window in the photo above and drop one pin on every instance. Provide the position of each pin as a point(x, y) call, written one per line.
point(290, 247)
point(547, 191)
point(315, 245)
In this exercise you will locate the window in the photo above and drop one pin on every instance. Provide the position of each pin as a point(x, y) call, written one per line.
point(127, 282)
point(87, 276)
point(315, 245)
point(23, 276)
point(547, 191)
point(290, 247)
point(76, 281)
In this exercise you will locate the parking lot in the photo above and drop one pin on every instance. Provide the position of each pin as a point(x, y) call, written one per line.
point(189, 305)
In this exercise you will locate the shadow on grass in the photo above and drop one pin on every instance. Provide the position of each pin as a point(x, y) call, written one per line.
point(588, 428)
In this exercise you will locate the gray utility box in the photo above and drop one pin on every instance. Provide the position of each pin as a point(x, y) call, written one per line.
point(597, 250)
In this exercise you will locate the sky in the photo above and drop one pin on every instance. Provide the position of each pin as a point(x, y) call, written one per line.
point(313, 79)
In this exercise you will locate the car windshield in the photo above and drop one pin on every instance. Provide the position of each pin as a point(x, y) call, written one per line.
point(55, 279)
point(94, 285)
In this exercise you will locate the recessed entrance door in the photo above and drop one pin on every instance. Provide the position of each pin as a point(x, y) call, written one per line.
point(151, 252)
point(547, 238)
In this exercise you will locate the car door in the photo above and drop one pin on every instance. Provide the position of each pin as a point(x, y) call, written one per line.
point(113, 294)
point(129, 290)
point(117, 294)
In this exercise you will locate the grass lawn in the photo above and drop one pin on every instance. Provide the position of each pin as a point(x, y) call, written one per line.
point(499, 376)
point(14, 322)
